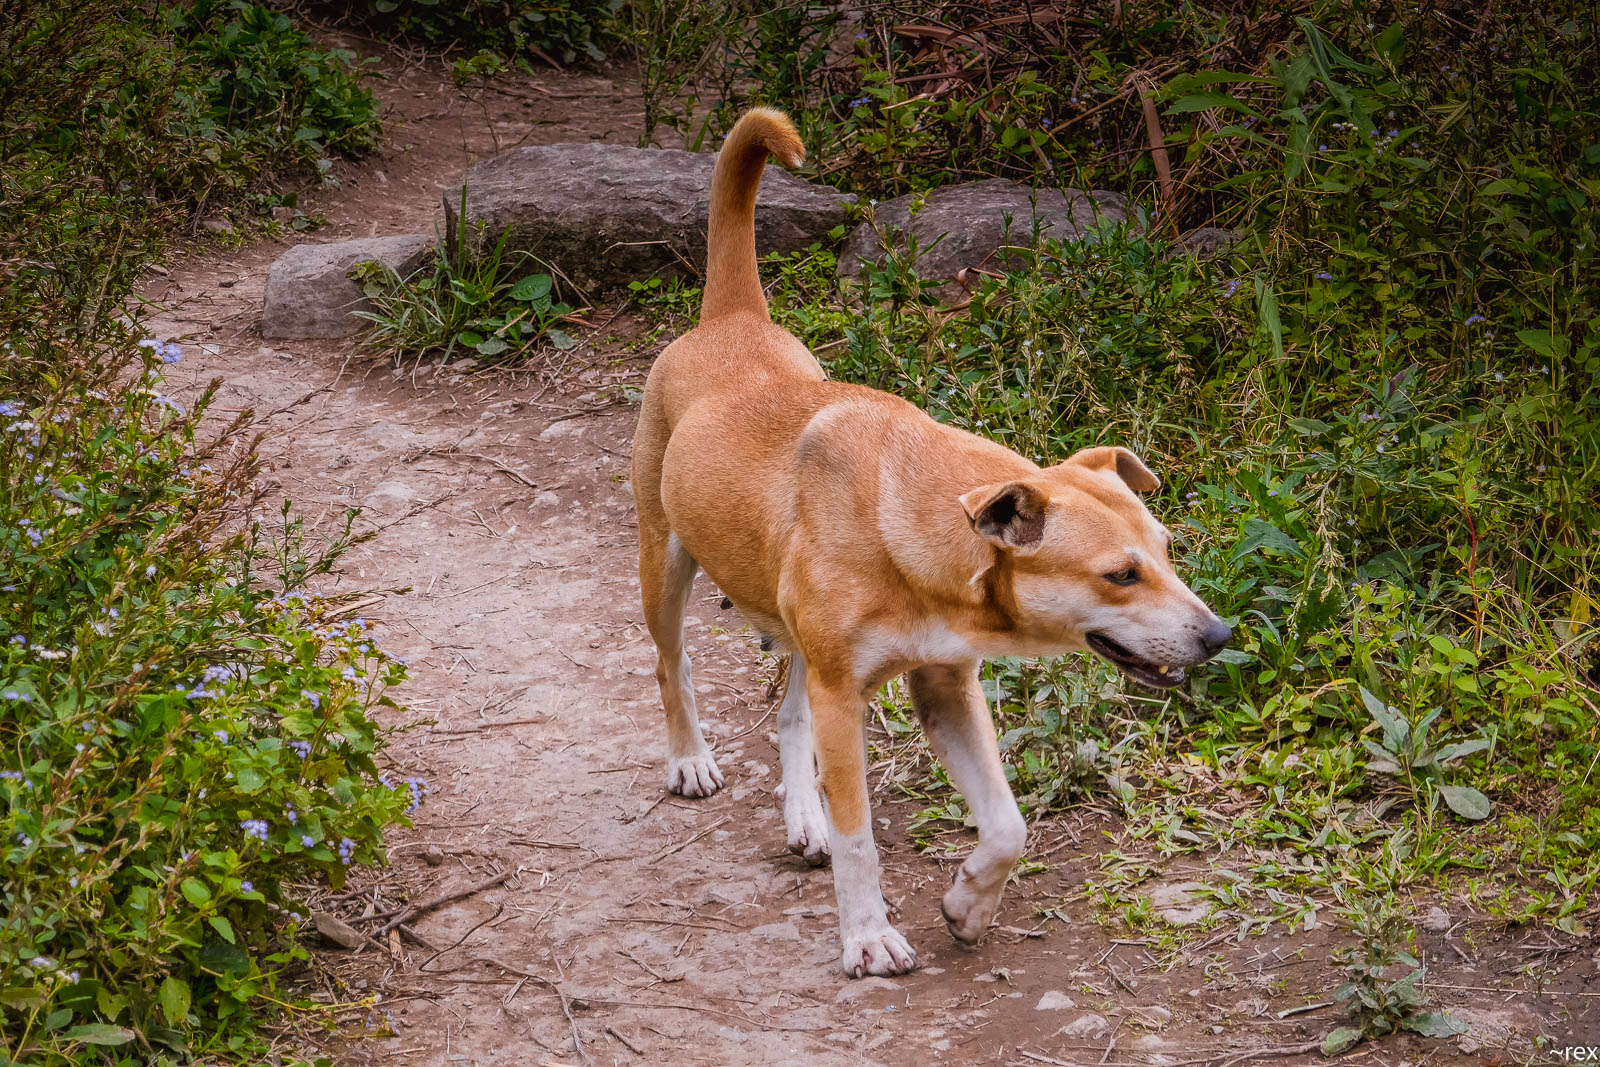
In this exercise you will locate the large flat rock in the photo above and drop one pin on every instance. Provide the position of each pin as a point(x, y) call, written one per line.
point(310, 292)
point(963, 226)
point(605, 215)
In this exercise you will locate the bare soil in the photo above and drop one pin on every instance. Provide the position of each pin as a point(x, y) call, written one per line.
point(661, 929)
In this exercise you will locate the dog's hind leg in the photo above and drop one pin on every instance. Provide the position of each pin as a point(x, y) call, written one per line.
point(806, 826)
point(955, 716)
point(666, 574)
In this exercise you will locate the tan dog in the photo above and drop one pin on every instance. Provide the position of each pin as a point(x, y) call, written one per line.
point(870, 541)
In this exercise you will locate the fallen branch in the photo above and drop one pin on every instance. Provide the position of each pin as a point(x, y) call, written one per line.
point(411, 911)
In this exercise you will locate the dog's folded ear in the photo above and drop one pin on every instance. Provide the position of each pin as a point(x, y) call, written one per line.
point(1010, 514)
point(1127, 466)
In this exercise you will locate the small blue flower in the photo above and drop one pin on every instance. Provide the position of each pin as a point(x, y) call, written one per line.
point(302, 748)
point(316, 701)
point(1323, 275)
point(10, 408)
point(247, 887)
point(307, 840)
point(1473, 320)
point(256, 828)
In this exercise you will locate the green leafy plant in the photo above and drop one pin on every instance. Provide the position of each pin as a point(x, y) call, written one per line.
point(1406, 752)
point(179, 737)
point(554, 32)
point(1379, 1003)
point(465, 302)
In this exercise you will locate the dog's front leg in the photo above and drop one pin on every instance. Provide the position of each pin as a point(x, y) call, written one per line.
point(871, 945)
point(955, 716)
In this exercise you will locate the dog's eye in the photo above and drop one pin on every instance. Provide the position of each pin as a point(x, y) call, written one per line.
point(1126, 576)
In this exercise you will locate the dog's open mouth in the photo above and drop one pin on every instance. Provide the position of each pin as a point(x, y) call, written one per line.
point(1157, 675)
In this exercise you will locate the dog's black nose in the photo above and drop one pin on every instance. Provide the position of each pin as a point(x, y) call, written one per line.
point(1215, 636)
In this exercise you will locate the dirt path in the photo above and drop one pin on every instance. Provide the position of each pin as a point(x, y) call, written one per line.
point(675, 930)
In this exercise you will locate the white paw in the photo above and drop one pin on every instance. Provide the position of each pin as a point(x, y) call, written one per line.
point(805, 824)
point(693, 776)
point(881, 952)
point(967, 909)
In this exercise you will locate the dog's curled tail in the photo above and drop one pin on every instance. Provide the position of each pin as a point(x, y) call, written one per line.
point(732, 281)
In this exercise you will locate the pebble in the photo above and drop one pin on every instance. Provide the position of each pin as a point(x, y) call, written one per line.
point(1086, 1025)
point(1055, 1000)
point(777, 932)
point(433, 856)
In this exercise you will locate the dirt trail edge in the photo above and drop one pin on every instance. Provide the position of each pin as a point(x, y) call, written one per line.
point(630, 926)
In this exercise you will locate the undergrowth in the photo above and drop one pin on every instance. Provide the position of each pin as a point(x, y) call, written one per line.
point(184, 730)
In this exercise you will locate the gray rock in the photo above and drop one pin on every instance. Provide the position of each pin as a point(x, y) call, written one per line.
point(862, 986)
point(1179, 904)
point(309, 290)
point(1054, 1000)
point(972, 220)
point(605, 214)
point(1206, 241)
point(1087, 1025)
point(777, 932)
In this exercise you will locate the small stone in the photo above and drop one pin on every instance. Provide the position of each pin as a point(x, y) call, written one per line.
point(1055, 1000)
point(220, 227)
point(337, 930)
point(1206, 242)
point(1178, 904)
point(1088, 1025)
point(433, 856)
point(856, 990)
point(776, 932)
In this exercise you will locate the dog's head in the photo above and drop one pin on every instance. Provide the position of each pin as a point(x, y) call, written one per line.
point(1089, 566)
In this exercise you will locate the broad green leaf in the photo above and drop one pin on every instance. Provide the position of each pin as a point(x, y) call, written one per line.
point(195, 892)
point(175, 1000)
point(1309, 427)
point(1396, 731)
point(1205, 101)
point(492, 346)
point(99, 1034)
point(1258, 533)
point(1268, 301)
point(531, 288)
point(223, 927)
point(1544, 342)
point(1462, 748)
point(1340, 1039)
point(1434, 1024)
point(1466, 801)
